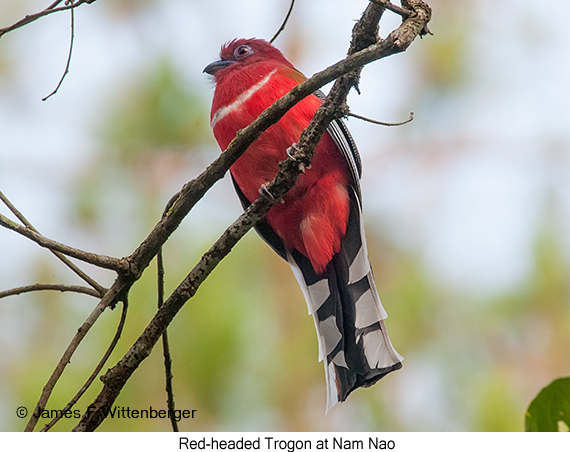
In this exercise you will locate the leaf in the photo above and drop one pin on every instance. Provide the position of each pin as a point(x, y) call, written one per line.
point(550, 409)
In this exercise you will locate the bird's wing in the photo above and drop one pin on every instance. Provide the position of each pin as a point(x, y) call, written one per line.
point(345, 143)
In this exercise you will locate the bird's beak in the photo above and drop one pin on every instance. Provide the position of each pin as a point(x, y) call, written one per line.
point(214, 67)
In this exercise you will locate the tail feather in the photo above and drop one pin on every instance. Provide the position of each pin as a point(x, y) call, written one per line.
point(348, 315)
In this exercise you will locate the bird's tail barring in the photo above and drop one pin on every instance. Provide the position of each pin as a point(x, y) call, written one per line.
point(348, 315)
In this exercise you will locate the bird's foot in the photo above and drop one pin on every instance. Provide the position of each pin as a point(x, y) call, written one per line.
point(290, 151)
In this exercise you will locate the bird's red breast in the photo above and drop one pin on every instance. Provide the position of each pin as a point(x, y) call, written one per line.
point(314, 214)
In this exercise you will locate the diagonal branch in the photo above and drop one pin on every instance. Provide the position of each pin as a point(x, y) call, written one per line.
point(192, 192)
point(115, 379)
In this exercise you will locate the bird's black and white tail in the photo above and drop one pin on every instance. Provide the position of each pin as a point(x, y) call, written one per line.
point(343, 300)
point(348, 315)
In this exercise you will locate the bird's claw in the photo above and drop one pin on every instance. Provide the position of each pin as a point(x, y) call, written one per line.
point(290, 150)
point(263, 191)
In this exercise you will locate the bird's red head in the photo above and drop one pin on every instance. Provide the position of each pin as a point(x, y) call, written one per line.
point(239, 53)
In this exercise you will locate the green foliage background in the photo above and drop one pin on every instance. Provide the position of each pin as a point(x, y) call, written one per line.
point(550, 409)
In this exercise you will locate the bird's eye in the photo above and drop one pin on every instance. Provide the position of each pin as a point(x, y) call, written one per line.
point(242, 51)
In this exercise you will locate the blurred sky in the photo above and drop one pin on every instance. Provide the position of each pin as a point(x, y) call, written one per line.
point(467, 185)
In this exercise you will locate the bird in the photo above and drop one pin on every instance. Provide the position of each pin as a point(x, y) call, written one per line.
point(318, 226)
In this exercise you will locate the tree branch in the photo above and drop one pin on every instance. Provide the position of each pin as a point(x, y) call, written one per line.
point(405, 13)
point(84, 276)
point(130, 269)
point(382, 123)
point(58, 287)
point(165, 347)
point(98, 260)
point(72, 39)
point(394, 8)
point(115, 379)
point(53, 8)
point(282, 27)
point(95, 372)
point(110, 297)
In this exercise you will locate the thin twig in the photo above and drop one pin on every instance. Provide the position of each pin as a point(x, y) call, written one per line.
point(160, 277)
point(284, 22)
point(165, 347)
point(84, 276)
point(99, 260)
point(381, 123)
point(57, 287)
point(95, 372)
point(72, 11)
point(49, 10)
point(169, 389)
